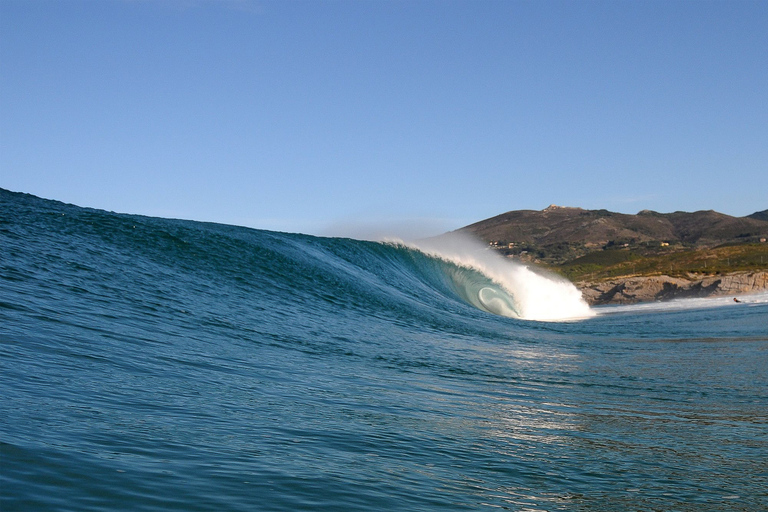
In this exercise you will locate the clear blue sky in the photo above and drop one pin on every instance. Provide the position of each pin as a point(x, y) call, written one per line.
point(314, 116)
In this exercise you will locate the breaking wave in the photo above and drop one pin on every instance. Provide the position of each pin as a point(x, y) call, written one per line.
point(504, 287)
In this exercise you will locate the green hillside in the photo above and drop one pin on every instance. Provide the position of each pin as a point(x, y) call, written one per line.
point(606, 264)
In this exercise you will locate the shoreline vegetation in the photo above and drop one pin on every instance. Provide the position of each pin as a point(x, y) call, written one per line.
point(618, 258)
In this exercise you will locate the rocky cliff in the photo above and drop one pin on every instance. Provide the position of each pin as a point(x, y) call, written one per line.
point(631, 290)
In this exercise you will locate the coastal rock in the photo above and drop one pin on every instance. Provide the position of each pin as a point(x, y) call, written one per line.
point(737, 283)
point(631, 290)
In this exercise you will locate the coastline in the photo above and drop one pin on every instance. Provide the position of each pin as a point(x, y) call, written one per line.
point(636, 289)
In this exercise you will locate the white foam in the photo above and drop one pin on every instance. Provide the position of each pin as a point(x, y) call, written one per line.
point(537, 295)
point(684, 304)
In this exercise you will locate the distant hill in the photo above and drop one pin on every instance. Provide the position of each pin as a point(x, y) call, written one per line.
point(564, 237)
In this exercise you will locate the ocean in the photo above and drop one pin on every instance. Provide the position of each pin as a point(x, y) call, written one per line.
point(149, 364)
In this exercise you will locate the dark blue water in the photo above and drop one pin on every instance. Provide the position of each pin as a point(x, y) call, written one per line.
point(151, 364)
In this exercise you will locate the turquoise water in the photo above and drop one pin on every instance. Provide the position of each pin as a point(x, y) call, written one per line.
point(152, 364)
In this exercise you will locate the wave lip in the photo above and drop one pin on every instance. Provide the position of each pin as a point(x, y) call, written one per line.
point(514, 290)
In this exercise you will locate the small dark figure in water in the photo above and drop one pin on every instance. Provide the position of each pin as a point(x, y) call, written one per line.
point(736, 300)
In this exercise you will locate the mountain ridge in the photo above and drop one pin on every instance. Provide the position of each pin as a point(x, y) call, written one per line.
point(558, 234)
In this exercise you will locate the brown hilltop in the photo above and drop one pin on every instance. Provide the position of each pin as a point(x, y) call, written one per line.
point(560, 233)
point(763, 215)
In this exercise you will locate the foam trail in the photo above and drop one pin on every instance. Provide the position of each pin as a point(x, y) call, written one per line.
point(535, 296)
point(685, 304)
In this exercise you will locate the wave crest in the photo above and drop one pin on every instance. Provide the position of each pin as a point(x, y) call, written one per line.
point(511, 288)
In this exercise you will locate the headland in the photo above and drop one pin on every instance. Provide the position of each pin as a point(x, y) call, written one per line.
point(616, 258)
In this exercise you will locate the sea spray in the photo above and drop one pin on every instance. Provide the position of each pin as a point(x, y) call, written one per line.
point(523, 293)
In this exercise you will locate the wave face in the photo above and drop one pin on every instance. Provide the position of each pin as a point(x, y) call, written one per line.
point(155, 364)
point(504, 287)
